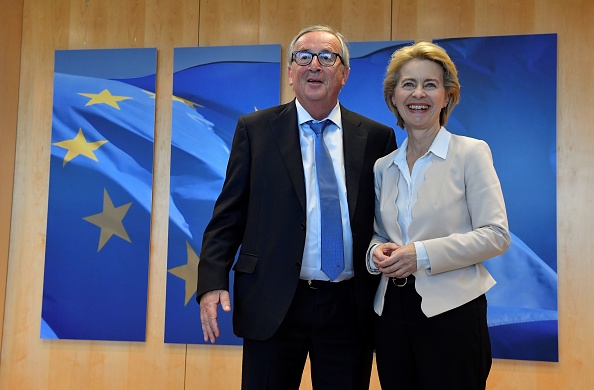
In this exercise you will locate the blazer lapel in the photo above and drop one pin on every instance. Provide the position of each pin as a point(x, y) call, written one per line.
point(286, 133)
point(388, 197)
point(429, 193)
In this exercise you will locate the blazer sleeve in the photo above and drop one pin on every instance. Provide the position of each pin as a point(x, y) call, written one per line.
point(223, 234)
point(380, 232)
point(488, 235)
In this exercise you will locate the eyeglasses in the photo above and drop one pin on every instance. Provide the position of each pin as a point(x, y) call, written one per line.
point(304, 58)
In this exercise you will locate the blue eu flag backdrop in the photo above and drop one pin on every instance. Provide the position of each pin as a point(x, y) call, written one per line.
point(95, 284)
point(212, 86)
point(509, 99)
point(503, 78)
point(100, 193)
point(364, 90)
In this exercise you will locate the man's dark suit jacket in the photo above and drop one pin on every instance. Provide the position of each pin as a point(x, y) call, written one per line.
point(262, 211)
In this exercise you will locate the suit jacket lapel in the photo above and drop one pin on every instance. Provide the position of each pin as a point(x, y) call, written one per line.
point(286, 133)
point(354, 143)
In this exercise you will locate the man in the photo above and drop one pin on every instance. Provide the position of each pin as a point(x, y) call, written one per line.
point(272, 206)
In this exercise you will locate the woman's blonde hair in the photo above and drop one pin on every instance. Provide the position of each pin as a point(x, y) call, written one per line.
point(423, 51)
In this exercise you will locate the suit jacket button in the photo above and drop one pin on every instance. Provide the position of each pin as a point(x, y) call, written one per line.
point(302, 226)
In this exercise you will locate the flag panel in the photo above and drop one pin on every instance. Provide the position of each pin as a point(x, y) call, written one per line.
point(100, 195)
point(212, 87)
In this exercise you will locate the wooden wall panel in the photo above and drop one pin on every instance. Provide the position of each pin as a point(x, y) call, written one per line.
point(167, 25)
point(11, 23)
point(105, 24)
point(27, 361)
point(22, 351)
point(244, 22)
point(30, 363)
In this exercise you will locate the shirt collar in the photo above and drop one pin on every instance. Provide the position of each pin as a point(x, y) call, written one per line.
point(439, 147)
point(441, 143)
point(304, 116)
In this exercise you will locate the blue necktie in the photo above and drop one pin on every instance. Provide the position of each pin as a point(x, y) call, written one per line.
point(331, 220)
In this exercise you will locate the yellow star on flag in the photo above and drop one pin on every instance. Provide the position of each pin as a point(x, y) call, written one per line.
point(151, 94)
point(79, 146)
point(104, 97)
point(110, 220)
point(188, 272)
point(176, 99)
point(185, 101)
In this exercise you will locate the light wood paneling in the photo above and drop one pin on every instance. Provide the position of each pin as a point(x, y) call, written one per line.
point(105, 24)
point(11, 21)
point(27, 361)
point(22, 352)
point(30, 363)
point(239, 22)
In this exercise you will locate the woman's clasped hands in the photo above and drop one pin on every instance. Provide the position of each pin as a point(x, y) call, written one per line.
point(395, 261)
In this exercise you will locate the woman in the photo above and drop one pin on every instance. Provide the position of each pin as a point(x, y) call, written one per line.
point(439, 214)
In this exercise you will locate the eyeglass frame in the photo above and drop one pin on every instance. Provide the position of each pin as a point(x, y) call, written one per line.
point(316, 55)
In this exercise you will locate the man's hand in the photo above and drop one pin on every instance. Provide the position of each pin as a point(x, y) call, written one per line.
point(208, 312)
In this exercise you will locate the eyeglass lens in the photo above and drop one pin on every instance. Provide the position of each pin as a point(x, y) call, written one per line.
point(305, 58)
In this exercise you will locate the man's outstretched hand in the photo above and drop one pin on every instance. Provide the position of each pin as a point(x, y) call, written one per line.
point(209, 303)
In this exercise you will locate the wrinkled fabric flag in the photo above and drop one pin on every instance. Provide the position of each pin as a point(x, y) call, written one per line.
point(501, 77)
point(212, 87)
point(100, 195)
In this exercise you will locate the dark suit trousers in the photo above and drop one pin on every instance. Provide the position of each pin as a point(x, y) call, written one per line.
point(321, 322)
point(449, 351)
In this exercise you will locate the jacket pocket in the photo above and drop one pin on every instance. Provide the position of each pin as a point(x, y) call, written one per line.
point(246, 263)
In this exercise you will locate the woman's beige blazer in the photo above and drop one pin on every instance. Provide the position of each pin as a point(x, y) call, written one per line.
point(459, 216)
